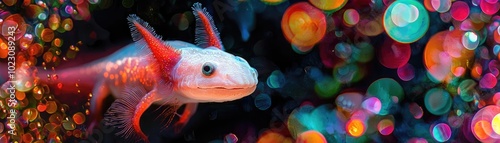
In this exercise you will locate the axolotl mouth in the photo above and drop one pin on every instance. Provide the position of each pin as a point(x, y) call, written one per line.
point(217, 93)
point(226, 88)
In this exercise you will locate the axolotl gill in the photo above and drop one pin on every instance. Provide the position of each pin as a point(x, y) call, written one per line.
point(152, 71)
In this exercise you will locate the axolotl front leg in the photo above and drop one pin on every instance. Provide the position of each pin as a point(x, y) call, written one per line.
point(188, 112)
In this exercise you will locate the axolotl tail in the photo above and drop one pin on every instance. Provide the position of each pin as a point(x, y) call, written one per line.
point(72, 85)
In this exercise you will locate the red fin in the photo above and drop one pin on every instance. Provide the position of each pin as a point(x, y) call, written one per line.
point(165, 55)
point(206, 32)
point(121, 112)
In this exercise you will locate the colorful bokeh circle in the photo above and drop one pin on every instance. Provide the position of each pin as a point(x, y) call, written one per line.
point(303, 25)
point(406, 21)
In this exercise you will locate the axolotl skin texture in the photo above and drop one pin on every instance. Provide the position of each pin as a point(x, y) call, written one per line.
point(153, 71)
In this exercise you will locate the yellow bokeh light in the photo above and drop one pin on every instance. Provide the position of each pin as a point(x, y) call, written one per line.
point(355, 128)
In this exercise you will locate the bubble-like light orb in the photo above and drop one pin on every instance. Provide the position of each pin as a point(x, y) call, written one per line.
point(482, 124)
point(9, 2)
point(385, 127)
point(79, 118)
point(388, 91)
point(407, 14)
point(270, 136)
point(299, 120)
point(394, 54)
point(276, 79)
point(494, 67)
point(14, 20)
point(230, 138)
point(311, 136)
point(495, 124)
point(372, 104)
point(437, 62)
point(54, 21)
point(329, 5)
point(406, 21)
point(363, 53)
point(437, 101)
point(349, 101)
point(466, 90)
point(470, 40)
point(4, 48)
point(343, 50)
point(406, 72)
point(489, 8)
point(67, 24)
point(441, 5)
point(355, 127)
point(351, 17)
point(326, 87)
point(416, 110)
point(47, 35)
point(488, 81)
point(26, 41)
point(459, 10)
point(348, 72)
point(94, 1)
point(303, 25)
point(441, 132)
point(262, 101)
point(272, 2)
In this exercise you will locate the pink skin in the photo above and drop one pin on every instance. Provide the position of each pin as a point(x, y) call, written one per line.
point(153, 71)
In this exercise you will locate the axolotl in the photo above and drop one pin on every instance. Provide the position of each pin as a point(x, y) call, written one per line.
point(152, 71)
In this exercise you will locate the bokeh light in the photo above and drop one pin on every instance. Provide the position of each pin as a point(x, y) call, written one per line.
point(231, 138)
point(329, 5)
point(406, 72)
point(441, 132)
point(303, 25)
point(262, 101)
point(351, 17)
point(481, 124)
point(327, 87)
point(406, 21)
point(438, 101)
point(416, 110)
point(388, 91)
point(489, 8)
point(488, 81)
point(372, 104)
point(385, 127)
point(459, 10)
point(393, 54)
point(276, 79)
point(467, 90)
point(470, 40)
point(311, 136)
point(355, 127)
point(350, 101)
point(495, 124)
point(441, 5)
point(272, 2)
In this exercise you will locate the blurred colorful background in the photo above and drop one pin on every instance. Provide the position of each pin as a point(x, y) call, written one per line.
point(329, 70)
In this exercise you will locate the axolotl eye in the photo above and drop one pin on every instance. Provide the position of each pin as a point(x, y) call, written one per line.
point(208, 69)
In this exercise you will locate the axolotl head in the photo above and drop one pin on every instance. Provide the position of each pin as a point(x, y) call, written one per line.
point(202, 73)
point(212, 75)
